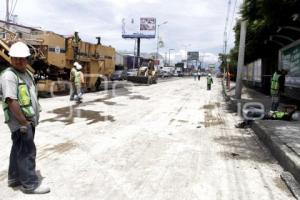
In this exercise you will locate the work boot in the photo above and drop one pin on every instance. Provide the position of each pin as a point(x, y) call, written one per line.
point(41, 189)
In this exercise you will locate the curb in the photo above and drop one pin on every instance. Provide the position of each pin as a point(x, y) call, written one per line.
point(285, 156)
point(292, 184)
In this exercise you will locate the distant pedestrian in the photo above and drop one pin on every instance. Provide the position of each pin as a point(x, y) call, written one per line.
point(195, 75)
point(210, 81)
point(199, 75)
point(21, 113)
point(79, 81)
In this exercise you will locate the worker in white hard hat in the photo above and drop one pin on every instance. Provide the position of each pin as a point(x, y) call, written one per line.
point(73, 91)
point(78, 82)
point(209, 81)
point(21, 111)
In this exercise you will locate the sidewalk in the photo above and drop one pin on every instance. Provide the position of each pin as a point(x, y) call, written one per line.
point(281, 137)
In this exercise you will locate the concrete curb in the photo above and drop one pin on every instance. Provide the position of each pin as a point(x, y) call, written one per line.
point(287, 158)
point(292, 184)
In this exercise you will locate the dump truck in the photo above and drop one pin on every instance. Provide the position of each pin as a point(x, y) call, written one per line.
point(53, 56)
point(146, 74)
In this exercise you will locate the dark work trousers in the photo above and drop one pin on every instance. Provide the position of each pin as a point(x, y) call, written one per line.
point(22, 159)
point(208, 86)
point(73, 91)
point(275, 102)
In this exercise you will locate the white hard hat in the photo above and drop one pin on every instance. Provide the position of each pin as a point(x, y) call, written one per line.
point(209, 74)
point(19, 50)
point(75, 64)
point(78, 66)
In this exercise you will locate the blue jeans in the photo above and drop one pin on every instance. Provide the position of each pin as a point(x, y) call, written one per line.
point(22, 159)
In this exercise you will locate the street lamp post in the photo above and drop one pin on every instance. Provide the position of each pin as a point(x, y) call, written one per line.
point(157, 44)
point(169, 56)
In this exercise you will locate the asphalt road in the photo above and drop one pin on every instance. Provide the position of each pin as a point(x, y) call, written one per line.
point(173, 140)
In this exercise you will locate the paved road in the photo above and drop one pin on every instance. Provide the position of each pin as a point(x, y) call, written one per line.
point(173, 140)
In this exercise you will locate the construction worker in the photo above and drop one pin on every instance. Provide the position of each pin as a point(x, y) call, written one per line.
point(21, 111)
point(290, 114)
point(75, 43)
point(199, 75)
point(209, 81)
point(73, 91)
point(78, 82)
point(275, 90)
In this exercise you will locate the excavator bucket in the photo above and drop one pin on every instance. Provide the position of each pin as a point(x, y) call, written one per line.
point(138, 79)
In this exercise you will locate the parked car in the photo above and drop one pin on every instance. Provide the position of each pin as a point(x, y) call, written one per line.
point(119, 75)
point(164, 74)
point(180, 73)
point(132, 72)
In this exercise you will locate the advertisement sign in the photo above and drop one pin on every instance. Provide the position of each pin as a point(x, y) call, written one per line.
point(290, 61)
point(193, 55)
point(144, 27)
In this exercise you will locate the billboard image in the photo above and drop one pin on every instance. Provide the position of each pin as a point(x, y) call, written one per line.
point(147, 24)
point(193, 55)
point(144, 27)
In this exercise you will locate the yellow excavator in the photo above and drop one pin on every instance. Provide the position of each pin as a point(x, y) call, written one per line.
point(146, 74)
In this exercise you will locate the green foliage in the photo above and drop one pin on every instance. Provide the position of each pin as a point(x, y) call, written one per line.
point(264, 17)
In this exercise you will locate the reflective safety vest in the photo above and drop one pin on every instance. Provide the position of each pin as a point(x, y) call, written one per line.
point(24, 99)
point(278, 114)
point(77, 78)
point(275, 84)
point(209, 80)
point(72, 74)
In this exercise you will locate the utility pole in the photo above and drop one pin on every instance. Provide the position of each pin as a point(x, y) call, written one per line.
point(241, 58)
point(7, 11)
point(7, 14)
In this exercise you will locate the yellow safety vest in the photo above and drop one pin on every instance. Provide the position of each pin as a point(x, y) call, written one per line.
point(279, 115)
point(77, 79)
point(24, 99)
point(275, 84)
point(209, 80)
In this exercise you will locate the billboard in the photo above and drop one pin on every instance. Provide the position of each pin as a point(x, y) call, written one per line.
point(193, 55)
point(290, 61)
point(144, 27)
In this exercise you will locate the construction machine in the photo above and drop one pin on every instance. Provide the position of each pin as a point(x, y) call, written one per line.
point(146, 74)
point(53, 56)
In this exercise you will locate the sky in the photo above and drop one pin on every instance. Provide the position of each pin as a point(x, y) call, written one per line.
point(192, 25)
